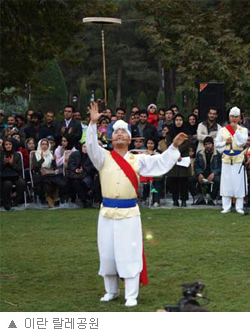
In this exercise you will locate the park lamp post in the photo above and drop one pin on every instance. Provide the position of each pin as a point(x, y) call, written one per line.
point(103, 21)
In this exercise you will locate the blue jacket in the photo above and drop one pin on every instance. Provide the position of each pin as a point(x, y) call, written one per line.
point(200, 162)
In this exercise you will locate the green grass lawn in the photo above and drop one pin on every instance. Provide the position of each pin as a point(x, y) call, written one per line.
point(49, 260)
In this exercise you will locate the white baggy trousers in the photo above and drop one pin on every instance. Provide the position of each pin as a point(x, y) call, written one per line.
point(120, 251)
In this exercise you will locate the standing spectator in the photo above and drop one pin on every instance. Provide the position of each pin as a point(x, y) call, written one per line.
point(11, 127)
point(208, 127)
point(178, 175)
point(192, 125)
point(244, 121)
point(146, 130)
point(20, 124)
point(11, 174)
point(32, 131)
point(161, 116)
point(69, 126)
point(49, 127)
point(196, 112)
point(2, 124)
point(165, 141)
point(28, 117)
point(1, 144)
point(152, 115)
point(175, 109)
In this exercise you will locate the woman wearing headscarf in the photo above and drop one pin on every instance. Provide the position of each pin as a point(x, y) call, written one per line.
point(178, 175)
point(192, 124)
point(66, 145)
point(45, 174)
point(81, 174)
point(11, 174)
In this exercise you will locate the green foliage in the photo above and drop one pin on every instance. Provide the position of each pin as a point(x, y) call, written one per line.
point(129, 103)
point(200, 44)
point(160, 101)
point(53, 94)
point(13, 104)
point(34, 31)
point(84, 96)
point(111, 99)
point(98, 94)
point(142, 101)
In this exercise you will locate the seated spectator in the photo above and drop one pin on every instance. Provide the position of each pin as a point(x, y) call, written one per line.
point(152, 115)
point(192, 124)
point(81, 174)
point(11, 174)
point(178, 175)
point(30, 144)
point(208, 169)
point(60, 151)
point(1, 144)
point(52, 142)
point(23, 151)
point(46, 179)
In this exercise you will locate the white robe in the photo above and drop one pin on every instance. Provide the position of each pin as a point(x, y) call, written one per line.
point(232, 182)
point(120, 240)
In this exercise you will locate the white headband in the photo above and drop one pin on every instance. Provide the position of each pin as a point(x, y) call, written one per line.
point(234, 111)
point(120, 124)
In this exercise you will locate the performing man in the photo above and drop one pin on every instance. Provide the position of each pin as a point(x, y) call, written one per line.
point(230, 141)
point(119, 225)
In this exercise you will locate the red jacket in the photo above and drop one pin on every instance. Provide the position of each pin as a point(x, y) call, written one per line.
point(153, 119)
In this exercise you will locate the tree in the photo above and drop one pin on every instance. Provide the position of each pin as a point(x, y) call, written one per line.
point(53, 94)
point(34, 31)
point(111, 99)
point(160, 101)
point(199, 44)
point(84, 96)
point(142, 100)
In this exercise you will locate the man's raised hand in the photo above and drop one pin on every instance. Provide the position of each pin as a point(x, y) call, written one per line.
point(179, 139)
point(94, 113)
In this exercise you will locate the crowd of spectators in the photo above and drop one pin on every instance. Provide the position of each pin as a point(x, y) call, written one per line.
point(48, 161)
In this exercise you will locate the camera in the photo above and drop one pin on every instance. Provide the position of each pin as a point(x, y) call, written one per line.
point(188, 303)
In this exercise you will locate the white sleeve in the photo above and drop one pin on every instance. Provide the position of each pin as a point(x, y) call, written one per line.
point(95, 152)
point(201, 137)
point(241, 137)
point(157, 165)
point(218, 143)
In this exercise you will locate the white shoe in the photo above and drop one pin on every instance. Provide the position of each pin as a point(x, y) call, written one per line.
point(156, 204)
point(131, 302)
point(225, 211)
point(240, 211)
point(109, 297)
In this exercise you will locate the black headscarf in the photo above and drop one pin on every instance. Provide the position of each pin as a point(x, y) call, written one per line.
point(174, 130)
point(192, 129)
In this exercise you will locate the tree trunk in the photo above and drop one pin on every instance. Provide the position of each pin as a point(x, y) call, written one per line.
point(161, 76)
point(171, 87)
point(119, 85)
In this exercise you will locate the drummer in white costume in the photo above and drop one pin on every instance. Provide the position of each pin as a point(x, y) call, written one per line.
point(119, 229)
point(230, 141)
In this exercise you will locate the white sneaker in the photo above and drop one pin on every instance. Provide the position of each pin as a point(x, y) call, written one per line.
point(131, 302)
point(156, 204)
point(225, 211)
point(240, 211)
point(109, 297)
